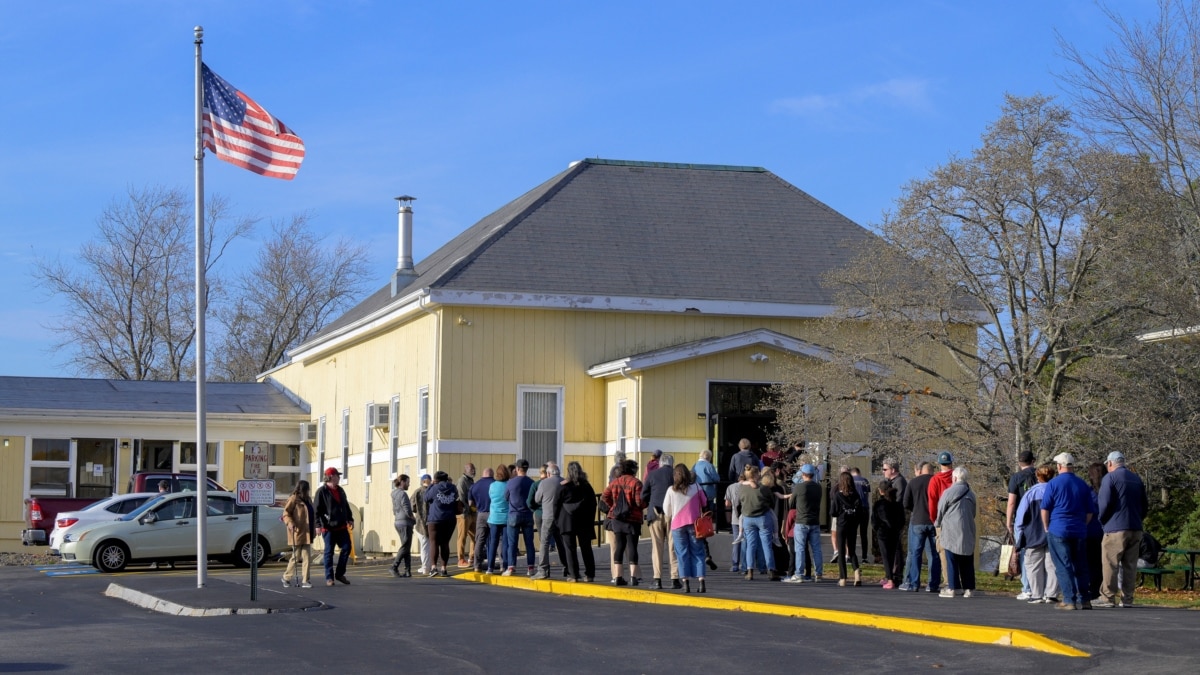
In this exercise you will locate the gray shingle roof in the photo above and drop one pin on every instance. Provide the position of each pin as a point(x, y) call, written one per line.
point(645, 229)
point(75, 394)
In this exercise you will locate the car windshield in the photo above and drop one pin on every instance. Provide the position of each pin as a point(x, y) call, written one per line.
point(136, 513)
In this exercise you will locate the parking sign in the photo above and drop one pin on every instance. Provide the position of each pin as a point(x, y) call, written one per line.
point(257, 460)
point(255, 492)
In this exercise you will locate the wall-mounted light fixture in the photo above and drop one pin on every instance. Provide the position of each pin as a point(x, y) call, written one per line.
point(6, 442)
point(124, 445)
point(758, 357)
point(463, 321)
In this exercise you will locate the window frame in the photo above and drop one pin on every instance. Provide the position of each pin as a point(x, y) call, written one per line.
point(560, 418)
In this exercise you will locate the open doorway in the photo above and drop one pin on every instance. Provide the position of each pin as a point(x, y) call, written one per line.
point(734, 413)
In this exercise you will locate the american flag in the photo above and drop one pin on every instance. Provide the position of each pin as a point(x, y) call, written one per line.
point(242, 133)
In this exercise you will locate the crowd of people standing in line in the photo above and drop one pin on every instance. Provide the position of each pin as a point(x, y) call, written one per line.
point(1077, 539)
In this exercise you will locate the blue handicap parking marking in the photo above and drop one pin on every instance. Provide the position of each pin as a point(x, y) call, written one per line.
point(67, 571)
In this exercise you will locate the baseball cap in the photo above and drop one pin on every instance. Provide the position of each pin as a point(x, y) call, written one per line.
point(807, 469)
point(332, 471)
point(945, 459)
point(1064, 458)
point(657, 454)
point(1115, 456)
point(426, 476)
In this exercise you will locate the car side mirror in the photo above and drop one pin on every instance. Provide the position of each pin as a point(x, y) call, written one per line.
point(149, 518)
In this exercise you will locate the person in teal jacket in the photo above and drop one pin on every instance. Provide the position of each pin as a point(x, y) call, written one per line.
point(498, 520)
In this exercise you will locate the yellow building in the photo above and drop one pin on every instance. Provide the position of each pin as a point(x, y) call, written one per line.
point(619, 305)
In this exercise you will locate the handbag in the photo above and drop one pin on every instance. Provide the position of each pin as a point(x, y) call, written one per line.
point(704, 526)
point(1010, 559)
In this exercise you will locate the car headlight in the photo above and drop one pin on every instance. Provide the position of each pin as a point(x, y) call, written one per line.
point(68, 537)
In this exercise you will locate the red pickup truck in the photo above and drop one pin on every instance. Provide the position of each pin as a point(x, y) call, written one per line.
point(40, 512)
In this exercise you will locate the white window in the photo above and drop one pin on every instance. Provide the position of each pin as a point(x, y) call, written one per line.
point(50, 468)
point(188, 461)
point(539, 424)
point(423, 428)
point(345, 442)
point(369, 442)
point(622, 426)
point(394, 439)
point(885, 419)
point(285, 468)
point(320, 447)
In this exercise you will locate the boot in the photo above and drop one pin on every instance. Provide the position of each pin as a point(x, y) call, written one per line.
point(687, 585)
point(712, 565)
point(703, 588)
point(675, 584)
point(658, 584)
point(857, 578)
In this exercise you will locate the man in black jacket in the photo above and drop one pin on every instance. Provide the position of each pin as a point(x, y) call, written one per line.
point(654, 491)
point(334, 519)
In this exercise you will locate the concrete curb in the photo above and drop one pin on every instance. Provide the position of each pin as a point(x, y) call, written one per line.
point(1007, 637)
point(147, 601)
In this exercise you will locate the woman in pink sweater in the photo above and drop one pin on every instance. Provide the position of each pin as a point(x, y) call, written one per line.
point(682, 506)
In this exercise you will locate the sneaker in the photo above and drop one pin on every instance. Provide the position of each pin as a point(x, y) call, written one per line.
point(395, 572)
point(305, 585)
point(507, 573)
point(1037, 601)
point(946, 593)
point(888, 585)
point(1103, 604)
point(444, 573)
point(421, 569)
point(968, 593)
point(735, 569)
point(833, 559)
point(287, 583)
point(1087, 604)
point(329, 582)
point(794, 579)
point(431, 573)
point(342, 578)
point(1024, 596)
point(531, 571)
point(1065, 605)
point(906, 587)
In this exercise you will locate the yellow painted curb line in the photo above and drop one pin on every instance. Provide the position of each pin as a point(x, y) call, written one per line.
point(990, 635)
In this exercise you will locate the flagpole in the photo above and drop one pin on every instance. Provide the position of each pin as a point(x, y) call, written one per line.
point(201, 402)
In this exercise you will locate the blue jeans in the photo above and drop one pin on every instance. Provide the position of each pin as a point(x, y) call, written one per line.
point(519, 524)
point(689, 552)
point(960, 572)
point(737, 548)
point(497, 542)
point(810, 535)
point(340, 539)
point(921, 537)
point(1070, 566)
point(759, 537)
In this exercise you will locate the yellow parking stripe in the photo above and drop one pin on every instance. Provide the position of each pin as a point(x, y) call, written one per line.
point(992, 635)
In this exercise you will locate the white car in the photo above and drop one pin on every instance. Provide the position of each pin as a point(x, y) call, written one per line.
point(164, 530)
point(102, 511)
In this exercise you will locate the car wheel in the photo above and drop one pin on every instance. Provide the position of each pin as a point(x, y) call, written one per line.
point(111, 556)
point(244, 554)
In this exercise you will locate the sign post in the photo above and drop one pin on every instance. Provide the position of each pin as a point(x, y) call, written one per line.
point(257, 490)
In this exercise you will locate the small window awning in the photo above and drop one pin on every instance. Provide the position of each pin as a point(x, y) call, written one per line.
point(715, 345)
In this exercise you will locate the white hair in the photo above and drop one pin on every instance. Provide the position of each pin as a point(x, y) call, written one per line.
point(960, 474)
point(706, 455)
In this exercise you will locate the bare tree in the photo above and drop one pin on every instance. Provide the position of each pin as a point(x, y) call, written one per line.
point(983, 297)
point(1143, 94)
point(293, 289)
point(130, 294)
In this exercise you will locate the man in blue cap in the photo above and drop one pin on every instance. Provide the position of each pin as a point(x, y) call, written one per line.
point(806, 499)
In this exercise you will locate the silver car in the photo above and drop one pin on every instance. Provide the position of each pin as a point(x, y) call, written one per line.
point(164, 529)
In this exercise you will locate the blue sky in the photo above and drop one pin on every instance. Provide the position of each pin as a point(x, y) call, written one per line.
point(467, 105)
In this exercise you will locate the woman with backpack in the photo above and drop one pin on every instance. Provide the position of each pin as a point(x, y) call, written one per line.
point(848, 509)
point(887, 517)
point(1031, 538)
point(622, 497)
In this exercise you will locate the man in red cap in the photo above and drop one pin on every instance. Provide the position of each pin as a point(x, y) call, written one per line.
point(334, 520)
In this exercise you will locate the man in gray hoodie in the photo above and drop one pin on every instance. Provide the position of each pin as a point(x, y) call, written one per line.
point(404, 521)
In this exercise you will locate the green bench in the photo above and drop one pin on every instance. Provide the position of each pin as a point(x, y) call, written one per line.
point(1155, 572)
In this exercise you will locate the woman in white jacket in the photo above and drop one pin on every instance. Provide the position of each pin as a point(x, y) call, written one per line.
point(682, 506)
point(956, 534)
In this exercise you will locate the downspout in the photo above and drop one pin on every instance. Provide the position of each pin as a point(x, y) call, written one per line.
point(435, 410)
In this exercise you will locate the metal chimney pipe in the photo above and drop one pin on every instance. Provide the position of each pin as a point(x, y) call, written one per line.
point(404, 261)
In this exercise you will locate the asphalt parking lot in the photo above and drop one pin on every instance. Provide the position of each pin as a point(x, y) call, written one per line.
point(454, 625)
